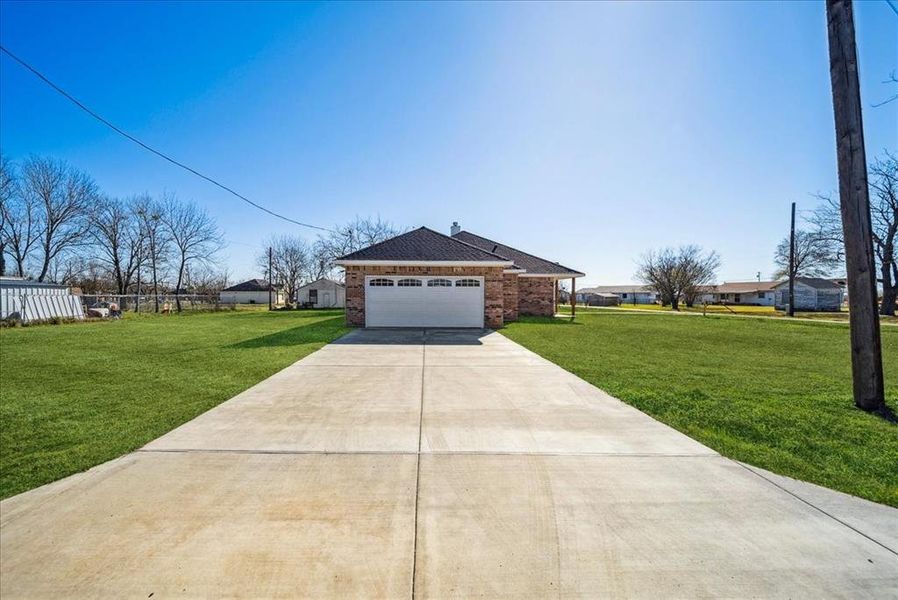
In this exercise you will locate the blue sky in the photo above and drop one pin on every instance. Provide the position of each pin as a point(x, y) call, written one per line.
point(584, 133)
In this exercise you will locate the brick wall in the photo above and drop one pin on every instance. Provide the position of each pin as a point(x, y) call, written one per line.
point(492, 278)
point(536, 296)
point(510, 297)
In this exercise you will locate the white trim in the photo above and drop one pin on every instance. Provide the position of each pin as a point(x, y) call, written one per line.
point(425, 263)
point(553, 275)
point(515, 271)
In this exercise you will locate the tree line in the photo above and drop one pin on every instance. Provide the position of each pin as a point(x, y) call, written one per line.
point(56, 225)
point(295, 261)
point(680, 274)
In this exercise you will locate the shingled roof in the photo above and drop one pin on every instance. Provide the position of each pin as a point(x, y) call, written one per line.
point(424, 245)
point(533, 265)
point(253, 285)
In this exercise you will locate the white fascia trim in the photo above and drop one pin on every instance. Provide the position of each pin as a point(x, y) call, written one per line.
point(424, 263)
point(553, 275)
point(516, 271)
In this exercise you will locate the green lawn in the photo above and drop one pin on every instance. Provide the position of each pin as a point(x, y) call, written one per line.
point(73, 396)
point(730, 309)
point(770, 392)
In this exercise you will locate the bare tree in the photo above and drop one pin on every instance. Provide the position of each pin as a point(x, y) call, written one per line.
point(291, 260)
point(63, 197)
point(118, 238)
point(357, 234)
point(827, 221)
point(7, 195)
point(678, 274)
point(156, 238)
point(20, 230)
point(194, 236)
point(815, 256)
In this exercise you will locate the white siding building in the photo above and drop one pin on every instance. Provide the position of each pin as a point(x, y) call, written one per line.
point(30, 301)
point(628, 294)
point(254, 291)
point(323, 293)
point(811, 293)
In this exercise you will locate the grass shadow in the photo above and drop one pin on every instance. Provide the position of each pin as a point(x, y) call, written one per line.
point(320, 331)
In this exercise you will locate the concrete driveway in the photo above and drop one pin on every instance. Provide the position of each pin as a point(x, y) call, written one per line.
point(437, 464)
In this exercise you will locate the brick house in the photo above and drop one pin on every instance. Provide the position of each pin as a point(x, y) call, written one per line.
point(424, 278)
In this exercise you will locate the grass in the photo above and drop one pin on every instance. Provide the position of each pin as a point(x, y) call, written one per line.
point(773, 393)
point(73, 396)
point(732, 309)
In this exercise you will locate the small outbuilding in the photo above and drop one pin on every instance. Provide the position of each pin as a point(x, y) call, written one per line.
point(323, 293)
point(811, 294)
point(254, 291)
point(31, 301)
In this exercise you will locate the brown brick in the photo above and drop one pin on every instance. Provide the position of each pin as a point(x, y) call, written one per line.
point(536, 296)
point(510, 297)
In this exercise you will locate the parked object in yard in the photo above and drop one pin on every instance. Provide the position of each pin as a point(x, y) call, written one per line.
point(33, 301)
point(323, 293)
point(811, 294)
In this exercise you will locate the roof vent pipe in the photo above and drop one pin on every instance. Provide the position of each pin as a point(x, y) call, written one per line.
point(455, 228)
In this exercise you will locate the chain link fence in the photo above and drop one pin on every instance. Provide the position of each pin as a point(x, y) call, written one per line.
point(102, 305)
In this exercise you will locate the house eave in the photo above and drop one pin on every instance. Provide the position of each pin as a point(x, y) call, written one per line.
point(554, 275)
point(424, 263)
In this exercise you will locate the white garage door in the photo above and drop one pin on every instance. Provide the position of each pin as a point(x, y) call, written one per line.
point(424, 301)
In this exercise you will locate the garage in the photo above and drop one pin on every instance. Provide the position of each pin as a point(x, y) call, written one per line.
point(438, 301)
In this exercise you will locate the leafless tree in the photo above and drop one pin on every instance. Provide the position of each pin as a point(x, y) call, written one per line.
point(118, 238)
point(62, 198)
point(827, 221)
point(291, 262)
point(678, 274)
point(156, 238)
point(194, 236)
point(7, 197)
point(357, 234)
point(815, 256)
point(20, 230)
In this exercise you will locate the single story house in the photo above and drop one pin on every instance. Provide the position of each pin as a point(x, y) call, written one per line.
point(811, 293)
point(31, 301)
point(628, 293)
point(323, 293)
point(424, 278)
point(254, 291)
point(755, 293)
point(598, 299)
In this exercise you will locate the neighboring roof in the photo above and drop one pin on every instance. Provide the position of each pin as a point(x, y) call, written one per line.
point(322, 280)
point(253, 285)
point(815, 282)
point(628, 288)
point(7, 281)
point(424, 245)
point(531, 264)
point(744, 287)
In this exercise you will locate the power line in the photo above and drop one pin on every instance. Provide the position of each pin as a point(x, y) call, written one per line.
point(892, 5)
point(162, 155)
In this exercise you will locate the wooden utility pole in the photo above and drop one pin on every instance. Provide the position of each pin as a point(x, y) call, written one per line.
point(270, 279)
point(866, 347)
point(792, 265)
point(573, 297)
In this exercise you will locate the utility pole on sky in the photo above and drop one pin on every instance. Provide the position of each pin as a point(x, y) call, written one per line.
point(270, 279)
point(866, 346)
point(792, 265)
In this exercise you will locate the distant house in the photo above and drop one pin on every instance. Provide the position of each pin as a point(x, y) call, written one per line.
point(811, 293)
point(627, 294)
point(755, 293)
point(598, 299)
point(254, 291)
point(323, 293)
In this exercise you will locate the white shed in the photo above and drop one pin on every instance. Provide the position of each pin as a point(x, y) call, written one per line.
point(323, 293)
point(811, 293)
point(254, 291)
point(30, 301)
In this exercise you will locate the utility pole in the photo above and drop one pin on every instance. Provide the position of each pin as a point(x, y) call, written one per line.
point(792, 265)
point(854, 198)
point(270, 281)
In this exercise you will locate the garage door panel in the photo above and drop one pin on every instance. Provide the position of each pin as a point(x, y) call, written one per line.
point(424, 306)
